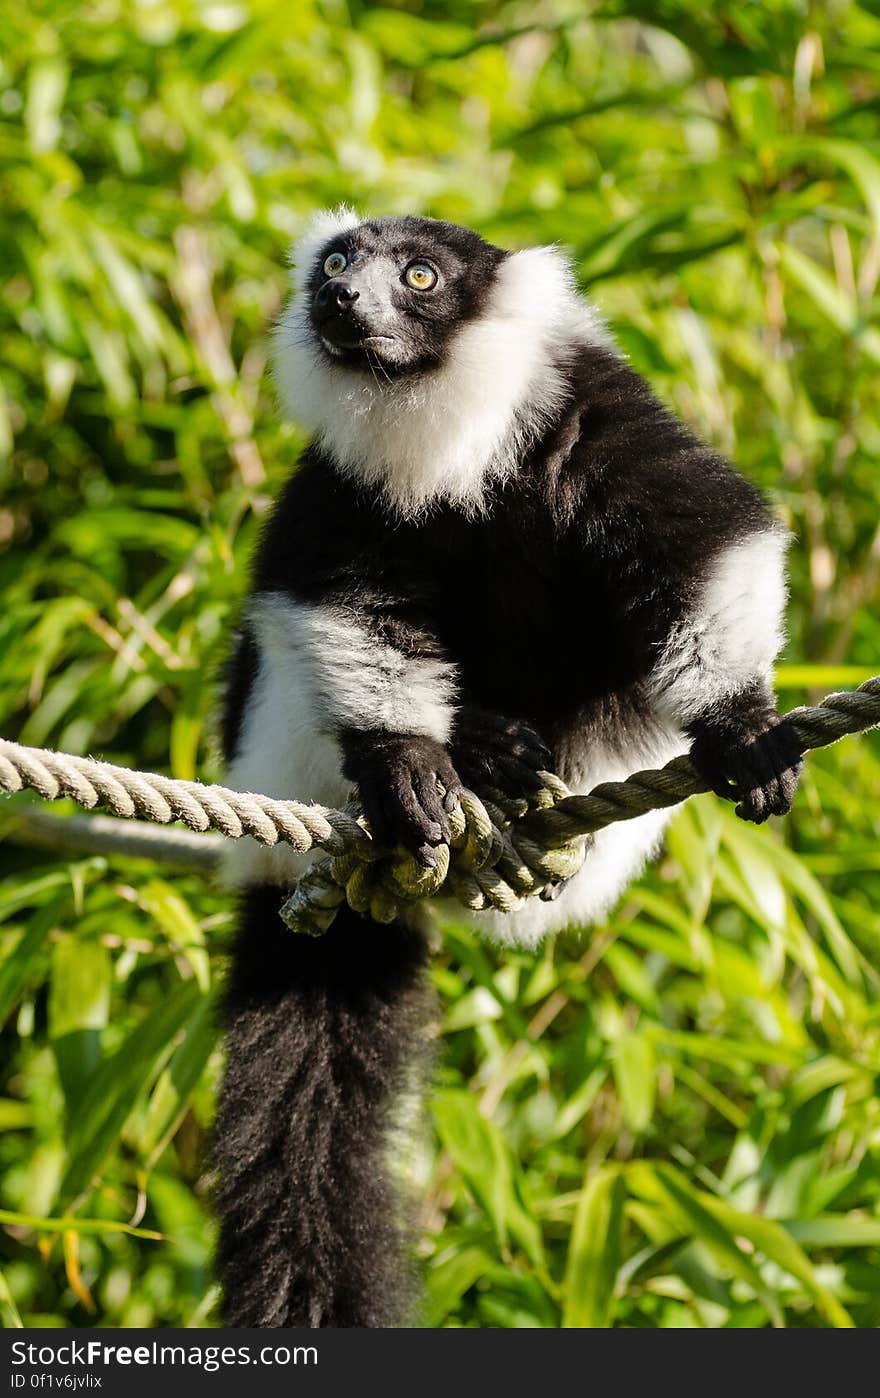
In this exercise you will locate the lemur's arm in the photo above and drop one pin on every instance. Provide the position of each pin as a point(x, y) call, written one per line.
point(377, 683)
point(714, 671)
point(700, 565)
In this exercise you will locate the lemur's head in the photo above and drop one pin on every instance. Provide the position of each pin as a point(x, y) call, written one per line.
point(423, 358)
point(394, 290)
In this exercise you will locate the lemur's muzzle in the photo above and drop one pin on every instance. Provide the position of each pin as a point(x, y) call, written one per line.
point(334, 315)
point(334, 296)
point(351, 311)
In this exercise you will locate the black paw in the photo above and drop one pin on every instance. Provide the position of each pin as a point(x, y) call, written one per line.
point(408, 786)
point(756, 762)
point(492, 751)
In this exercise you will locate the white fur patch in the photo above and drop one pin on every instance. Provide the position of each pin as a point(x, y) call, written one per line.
point(319, 670)
point(355, 680)
point(282, 752)
point(445, 434)
point(733, 634)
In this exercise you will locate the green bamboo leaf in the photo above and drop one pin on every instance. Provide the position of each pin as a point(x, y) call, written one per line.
point(688, 1209)
point(633, 977)
point(834, 303)
point(824, 677)
point(484, 1159)
point(635, 1076)
point(595, 1252)
point(834, 1231)
point(115, 1088)
point(852, 156)
point(14, 1115)
point(17, 969)
point(575, 1108)
point(722, 1226)
point(448, 1280)
point(71, 1224)
point(778, 1246)
point(9, 1316)
point(176, 1083)
point(17, 895)
point(47, 84)
point(733, 1053)
point(79, 1005)
point(175, 918)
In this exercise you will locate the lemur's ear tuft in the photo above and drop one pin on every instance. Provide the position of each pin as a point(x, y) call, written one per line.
point(320, 229)
point(537, 286)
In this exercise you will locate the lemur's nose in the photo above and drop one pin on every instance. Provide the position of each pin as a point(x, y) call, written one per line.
point(336, 295)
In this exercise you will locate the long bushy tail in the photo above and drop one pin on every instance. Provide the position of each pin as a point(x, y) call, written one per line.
point(323, 1035)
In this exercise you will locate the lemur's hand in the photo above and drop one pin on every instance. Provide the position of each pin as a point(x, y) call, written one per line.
point(489, 750)
point(754, 760)
point(408, 786)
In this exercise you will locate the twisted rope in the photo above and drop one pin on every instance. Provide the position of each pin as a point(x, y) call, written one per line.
point(502, 850)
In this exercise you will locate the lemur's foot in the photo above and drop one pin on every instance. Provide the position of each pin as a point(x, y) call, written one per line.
point(490, 750)
point(755, 761)
point(408, 786)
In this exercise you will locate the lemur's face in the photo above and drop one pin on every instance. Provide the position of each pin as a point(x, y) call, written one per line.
point(390, 293)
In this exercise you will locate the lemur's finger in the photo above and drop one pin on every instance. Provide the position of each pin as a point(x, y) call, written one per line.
point(396, 817)
point(475, 767)
point(780, 793)
point(770, 768)
point(421, 826)
point(787, 745)
point(520, 776)
point(753, 806)
point(431, 801)
point(450, 780)
point(452, 796)
point(531, 748)
point(480, 729)
point(788, 783)
point(375, 814)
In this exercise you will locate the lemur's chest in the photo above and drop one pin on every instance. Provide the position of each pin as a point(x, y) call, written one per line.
point(535, 619)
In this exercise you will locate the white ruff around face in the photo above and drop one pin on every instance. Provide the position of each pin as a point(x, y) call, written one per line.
point(445, 434)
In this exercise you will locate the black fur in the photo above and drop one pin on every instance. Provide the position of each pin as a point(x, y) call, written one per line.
point(408, 787)
point(239, 674)
point(605, 534)
point(489, 750)
point(322, 1038)
point(554, 603)
point(749, 755)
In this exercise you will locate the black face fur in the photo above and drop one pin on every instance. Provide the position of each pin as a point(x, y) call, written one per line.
point(367, 315)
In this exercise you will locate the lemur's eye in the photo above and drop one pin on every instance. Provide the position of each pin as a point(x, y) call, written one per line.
point(420, 276)
point(335, 263)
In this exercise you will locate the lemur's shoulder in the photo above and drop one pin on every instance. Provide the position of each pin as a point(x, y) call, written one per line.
point(320, 518)
point(620, 464)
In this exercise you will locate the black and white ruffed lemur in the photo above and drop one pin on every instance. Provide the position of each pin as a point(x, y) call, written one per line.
point(500, 553)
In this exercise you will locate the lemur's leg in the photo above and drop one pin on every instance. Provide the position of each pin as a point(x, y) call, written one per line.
point(380, 690)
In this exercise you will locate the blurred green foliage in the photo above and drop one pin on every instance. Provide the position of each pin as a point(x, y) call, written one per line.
point(671, 1121)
